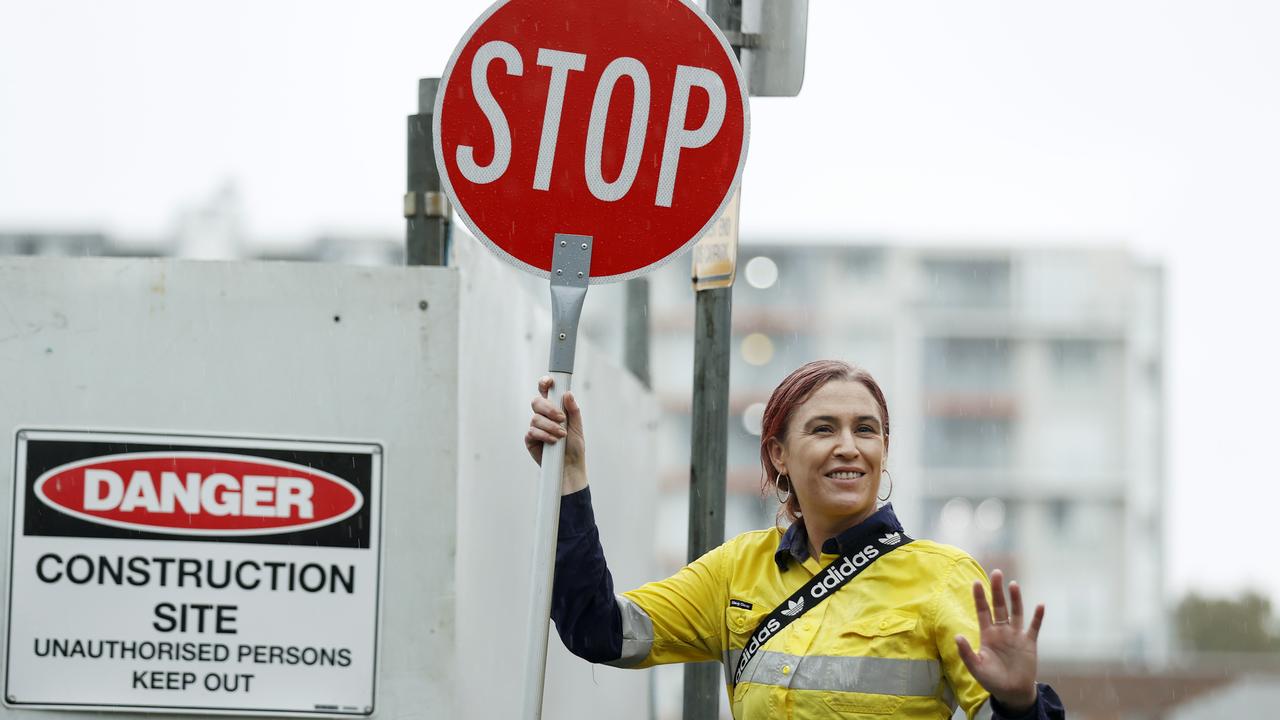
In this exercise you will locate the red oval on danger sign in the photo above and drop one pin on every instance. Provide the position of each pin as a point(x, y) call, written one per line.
point(198, 493)
point(623, 120)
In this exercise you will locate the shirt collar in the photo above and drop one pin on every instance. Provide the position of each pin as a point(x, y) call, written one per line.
point(794, 544)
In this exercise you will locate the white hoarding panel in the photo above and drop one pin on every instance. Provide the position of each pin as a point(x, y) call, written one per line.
point(278, 355)
point(178, 573)
point(497, 483)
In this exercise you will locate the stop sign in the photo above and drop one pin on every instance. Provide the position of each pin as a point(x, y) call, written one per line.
point(624, 120)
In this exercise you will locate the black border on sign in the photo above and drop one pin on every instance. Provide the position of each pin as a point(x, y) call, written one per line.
point(193, 709)
point(55, 453)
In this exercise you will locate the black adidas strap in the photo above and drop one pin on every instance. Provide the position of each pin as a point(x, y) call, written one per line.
point(823, 585)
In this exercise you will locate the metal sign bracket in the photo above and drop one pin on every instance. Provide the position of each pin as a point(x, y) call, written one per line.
point(570, 275)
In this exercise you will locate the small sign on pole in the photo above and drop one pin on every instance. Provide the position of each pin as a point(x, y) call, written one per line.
point(715, 257)
point(587, 143)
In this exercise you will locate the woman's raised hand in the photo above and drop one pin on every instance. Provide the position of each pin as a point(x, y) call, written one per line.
point(548, 425)
point(1006, 665)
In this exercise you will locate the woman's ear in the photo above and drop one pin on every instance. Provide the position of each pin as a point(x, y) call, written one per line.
point(777, 455)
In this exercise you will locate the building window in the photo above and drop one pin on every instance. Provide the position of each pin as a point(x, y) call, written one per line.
point(981, 525)
point(1075, 360)
point(1060, 517)
point(967, 365)
point(967, 442)
point(743, 447)
point(753, 419)
point(863, 265)
point(967, 283)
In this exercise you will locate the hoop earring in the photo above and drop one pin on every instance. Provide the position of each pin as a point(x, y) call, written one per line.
point(890, 493)
point(782, 495)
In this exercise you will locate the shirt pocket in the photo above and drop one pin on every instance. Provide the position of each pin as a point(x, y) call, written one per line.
point(869, 638)
point(888, 634)
point(850, 706)
point(741, 624)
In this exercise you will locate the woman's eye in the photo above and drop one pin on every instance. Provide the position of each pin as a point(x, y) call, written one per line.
point(866, 429)
point(822, 428)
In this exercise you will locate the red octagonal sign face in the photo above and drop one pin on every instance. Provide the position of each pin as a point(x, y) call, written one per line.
point(625, 120)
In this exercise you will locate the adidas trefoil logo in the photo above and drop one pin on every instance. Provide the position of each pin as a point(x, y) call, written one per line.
point(892, 538)
point(794, 607)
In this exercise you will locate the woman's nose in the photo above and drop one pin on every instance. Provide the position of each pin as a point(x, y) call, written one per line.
point(847, 445)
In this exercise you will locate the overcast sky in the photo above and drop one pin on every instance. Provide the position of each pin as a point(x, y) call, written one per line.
point(1144, 122)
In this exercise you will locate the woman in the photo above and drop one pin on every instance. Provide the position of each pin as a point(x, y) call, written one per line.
point(840, 616)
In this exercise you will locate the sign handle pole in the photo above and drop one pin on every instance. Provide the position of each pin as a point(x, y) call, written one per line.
point(570, 274)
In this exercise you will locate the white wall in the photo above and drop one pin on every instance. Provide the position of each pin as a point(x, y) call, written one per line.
point(253, 348)
point(503, 350)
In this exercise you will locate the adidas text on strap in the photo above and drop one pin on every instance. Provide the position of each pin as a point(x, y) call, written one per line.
point(819, 588)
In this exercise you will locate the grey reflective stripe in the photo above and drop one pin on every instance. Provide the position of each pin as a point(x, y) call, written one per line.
point(730, 662)
point(875, 675)
point(637, 633)
point(984, 711)
point(949, 696)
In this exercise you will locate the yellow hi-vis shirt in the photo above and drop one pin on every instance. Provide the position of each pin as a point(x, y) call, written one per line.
point(882, 645)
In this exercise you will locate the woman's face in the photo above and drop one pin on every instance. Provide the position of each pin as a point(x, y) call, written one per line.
point(833, 451)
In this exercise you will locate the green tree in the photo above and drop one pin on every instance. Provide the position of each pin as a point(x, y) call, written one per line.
point(1242, 624)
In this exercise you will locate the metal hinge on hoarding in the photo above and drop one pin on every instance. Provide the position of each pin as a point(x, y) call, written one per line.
point(741, 39)
point(433, 204)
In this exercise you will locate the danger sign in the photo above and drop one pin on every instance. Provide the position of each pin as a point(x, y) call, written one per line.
point(625, 121)
point(193, 573)
point(187, 493)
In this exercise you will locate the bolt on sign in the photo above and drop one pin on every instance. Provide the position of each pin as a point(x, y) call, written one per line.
point(193, 574)
point(625, 121)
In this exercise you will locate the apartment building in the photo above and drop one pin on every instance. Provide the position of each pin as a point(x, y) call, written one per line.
point(1026, 389)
